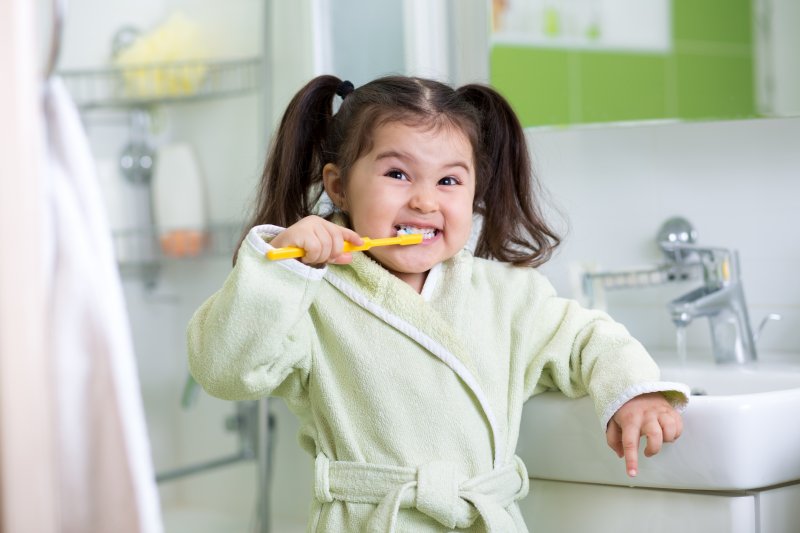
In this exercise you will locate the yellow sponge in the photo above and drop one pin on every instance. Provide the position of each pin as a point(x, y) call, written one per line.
point(167, 61)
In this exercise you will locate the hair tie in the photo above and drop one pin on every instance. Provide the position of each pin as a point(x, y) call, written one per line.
point(344, 88)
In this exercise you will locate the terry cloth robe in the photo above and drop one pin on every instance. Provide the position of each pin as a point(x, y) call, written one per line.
point(410, 402)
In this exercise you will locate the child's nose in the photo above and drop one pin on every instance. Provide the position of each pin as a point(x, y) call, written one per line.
point(423, 199)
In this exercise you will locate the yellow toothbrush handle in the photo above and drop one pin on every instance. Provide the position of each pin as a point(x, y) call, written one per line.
point(288, 252)
point(291, 252)
point(368, 243)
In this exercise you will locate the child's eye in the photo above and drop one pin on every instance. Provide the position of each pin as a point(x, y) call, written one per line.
point(449, 180)
point(397, 174)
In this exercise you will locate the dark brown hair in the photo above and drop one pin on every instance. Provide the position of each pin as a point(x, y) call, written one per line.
point(310, 135)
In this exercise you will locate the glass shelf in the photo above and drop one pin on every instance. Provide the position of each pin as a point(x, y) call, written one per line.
point(158, 83)
point(140, 252)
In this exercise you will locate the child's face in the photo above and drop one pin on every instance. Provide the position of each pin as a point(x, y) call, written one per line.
point(415, 179)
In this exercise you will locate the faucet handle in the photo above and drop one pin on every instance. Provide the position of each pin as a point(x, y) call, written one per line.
point(771, 316)
point(676, 230)
point(720, 265)
point(688, 247)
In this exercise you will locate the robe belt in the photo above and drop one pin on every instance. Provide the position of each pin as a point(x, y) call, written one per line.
point(435, 489)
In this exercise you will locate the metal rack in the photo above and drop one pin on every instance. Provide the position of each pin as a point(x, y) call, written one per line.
point(139, 253)
point(677, 267)
point(147, 85)
point(136, 90)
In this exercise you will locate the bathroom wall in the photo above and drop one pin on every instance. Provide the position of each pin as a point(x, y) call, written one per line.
point(738, 182)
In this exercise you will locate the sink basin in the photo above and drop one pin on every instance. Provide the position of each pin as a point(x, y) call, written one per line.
point(741, 431)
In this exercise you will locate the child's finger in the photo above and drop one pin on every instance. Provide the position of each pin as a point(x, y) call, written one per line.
point(343, 259)
point(678, 424)
point(670, 426)
point(630, 447)
point(352, 237)
point(652, 430)
point(337, 247)
point(614, 438)
point(317, 247)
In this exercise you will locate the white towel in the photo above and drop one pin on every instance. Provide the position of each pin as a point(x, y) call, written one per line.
point(106, 474)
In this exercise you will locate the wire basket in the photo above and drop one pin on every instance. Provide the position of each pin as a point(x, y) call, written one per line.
point(146, 85)
point(141, 251)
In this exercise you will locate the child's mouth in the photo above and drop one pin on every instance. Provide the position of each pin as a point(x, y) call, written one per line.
point(427, 233)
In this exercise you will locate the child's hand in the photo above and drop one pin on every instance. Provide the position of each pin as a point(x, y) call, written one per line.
point(648, 415)
point(323, 241)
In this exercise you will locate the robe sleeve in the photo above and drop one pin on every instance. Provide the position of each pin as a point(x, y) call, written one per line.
point(254, 337)
point(581, 351)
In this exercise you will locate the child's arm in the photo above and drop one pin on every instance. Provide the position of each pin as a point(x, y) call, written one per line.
point(584, 351)
point(255, 332)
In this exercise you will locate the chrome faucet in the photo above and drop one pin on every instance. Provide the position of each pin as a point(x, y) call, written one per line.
point(720, 299)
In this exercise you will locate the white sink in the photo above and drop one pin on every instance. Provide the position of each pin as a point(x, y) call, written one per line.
point(742, 433)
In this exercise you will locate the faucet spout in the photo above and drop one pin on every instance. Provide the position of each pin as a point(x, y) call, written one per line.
point(702, 301)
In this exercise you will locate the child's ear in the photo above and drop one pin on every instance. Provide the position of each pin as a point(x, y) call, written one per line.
point(332, 181)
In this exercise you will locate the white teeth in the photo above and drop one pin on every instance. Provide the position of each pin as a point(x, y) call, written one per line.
point(427, 233)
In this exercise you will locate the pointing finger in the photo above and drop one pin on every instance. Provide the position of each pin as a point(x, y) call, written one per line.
point(630, 447)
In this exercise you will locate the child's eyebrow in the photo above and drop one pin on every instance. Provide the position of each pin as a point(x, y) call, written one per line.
point(409, 158)
point(395, 154)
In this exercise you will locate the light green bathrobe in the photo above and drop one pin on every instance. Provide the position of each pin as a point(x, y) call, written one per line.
point(409, 402)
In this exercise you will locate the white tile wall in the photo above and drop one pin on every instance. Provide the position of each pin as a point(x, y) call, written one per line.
point(738, 182)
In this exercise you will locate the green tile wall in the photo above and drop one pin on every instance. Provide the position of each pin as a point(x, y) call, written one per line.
point(535, 80)
point(708, 73)
point(712, 86)
point(716, 21)
point(622, 87)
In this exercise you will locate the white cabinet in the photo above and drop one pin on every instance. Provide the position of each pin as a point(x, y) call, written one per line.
point(779, 509)
point(561, 507)
point(567, 507)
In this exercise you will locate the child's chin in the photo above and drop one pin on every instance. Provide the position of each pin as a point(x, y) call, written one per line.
point(407, 267)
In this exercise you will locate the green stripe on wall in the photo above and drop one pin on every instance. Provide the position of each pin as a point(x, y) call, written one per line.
point(618, 87)
point(535, 81)
point(708, 74)
point(715, 86)
point(716, 21)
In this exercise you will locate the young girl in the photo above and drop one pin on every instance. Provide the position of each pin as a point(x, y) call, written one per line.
point(408, 366)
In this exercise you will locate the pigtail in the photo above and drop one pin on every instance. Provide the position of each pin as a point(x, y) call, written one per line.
point(514, 229)
point(291, 181)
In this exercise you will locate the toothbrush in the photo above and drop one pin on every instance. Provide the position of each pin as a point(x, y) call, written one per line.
point(289, 252)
